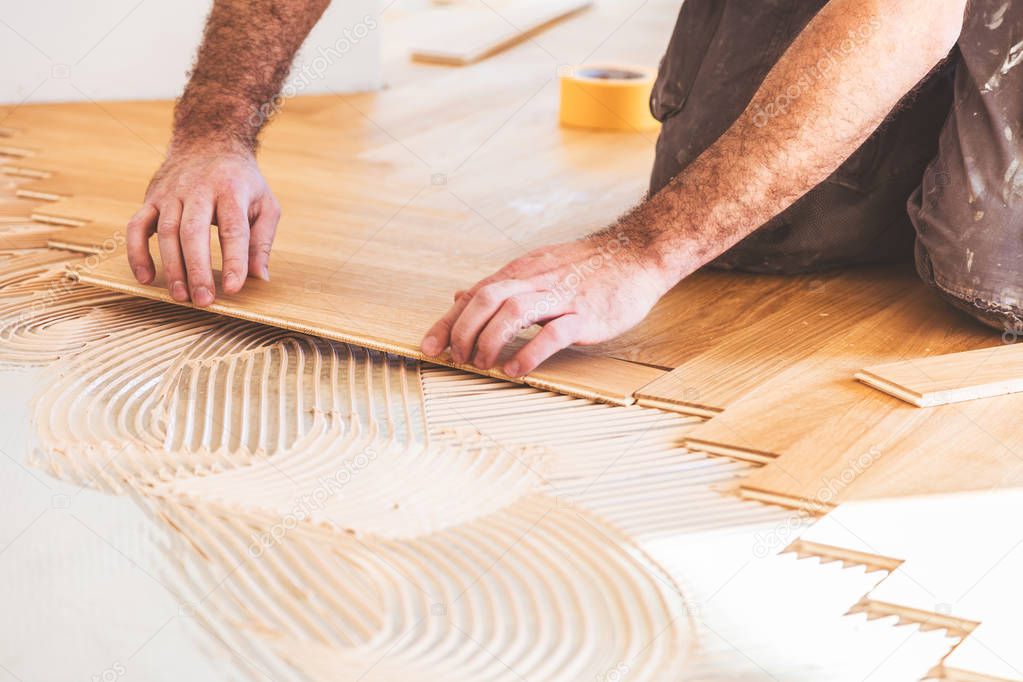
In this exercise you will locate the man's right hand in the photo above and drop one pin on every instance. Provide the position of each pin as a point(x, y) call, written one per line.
point(192, 190)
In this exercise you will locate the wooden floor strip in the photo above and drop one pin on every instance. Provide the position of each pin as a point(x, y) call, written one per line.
point(951, 378)
point(818, 309)
point(825, 430)
point(601, 379)
point(476, 32)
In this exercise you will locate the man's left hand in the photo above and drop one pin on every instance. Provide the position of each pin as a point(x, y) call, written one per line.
point(581, 292)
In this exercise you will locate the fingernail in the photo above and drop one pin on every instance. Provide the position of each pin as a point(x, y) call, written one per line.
point(201, 296)
point(142, 274)
point(178, 292)
point(266, 273)
point(431, 346)
point(230, 278)
point(478, 360)
point(512, 368)
point(457, 356)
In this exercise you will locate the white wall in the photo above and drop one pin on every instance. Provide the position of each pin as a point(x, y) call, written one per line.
point(63, 50)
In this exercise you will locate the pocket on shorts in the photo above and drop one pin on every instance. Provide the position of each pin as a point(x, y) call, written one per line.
point(667, 97)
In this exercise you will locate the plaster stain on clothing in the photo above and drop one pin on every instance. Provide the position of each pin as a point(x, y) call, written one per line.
point(998, 16)
point(1012, 182)
point(1012, 59)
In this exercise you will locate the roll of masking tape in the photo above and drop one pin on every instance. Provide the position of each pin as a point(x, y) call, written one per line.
point(607, 98)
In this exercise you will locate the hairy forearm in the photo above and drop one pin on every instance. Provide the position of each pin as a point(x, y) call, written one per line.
point(247, 50)
point(831, 89)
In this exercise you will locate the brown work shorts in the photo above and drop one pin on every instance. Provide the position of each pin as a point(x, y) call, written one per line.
point(941, 179)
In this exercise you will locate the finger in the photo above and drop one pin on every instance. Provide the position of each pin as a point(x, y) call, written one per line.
point(139, 229)
point(439, 335)
point(168, 231)
point(556, 334)
point(481, 307)
point(195, 246)
point(264, 227)
point(517, 313)
point(233, 230)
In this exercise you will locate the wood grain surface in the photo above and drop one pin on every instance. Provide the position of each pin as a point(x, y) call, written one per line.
point(818, 426)
point(951, 378)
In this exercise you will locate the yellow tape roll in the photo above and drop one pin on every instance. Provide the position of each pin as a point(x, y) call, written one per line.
point(607, 98)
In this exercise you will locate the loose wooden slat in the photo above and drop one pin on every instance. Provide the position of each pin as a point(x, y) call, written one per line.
point(952, 378)
point(377, 306)
point(973, 446)
point(478, 32)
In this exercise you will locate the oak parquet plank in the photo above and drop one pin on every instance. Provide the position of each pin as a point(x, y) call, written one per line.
point(943, 379)
point(816, 424)
point(804, 316)
point(477, 32)
point(363, 306)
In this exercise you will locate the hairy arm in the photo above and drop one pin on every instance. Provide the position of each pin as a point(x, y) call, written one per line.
point(803, 122)
point(210, 174)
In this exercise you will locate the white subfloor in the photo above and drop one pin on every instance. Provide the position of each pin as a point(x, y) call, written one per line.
point(80, 578)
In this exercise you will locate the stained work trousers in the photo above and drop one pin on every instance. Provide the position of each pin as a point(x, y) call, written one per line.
point(940, 181)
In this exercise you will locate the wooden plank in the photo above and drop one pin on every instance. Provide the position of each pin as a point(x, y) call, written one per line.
point(25, 235)
point(973, 446)
point(92, 237)
point(83, 209)
point(700, 312)
point(475, 33)
point(951, 378)
point(814, 311)
point(823, 430)
point(380, 306)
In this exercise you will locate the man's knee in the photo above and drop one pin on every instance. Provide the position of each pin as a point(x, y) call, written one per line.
point(976, 295)
point(969, 233)
point(968, 210)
